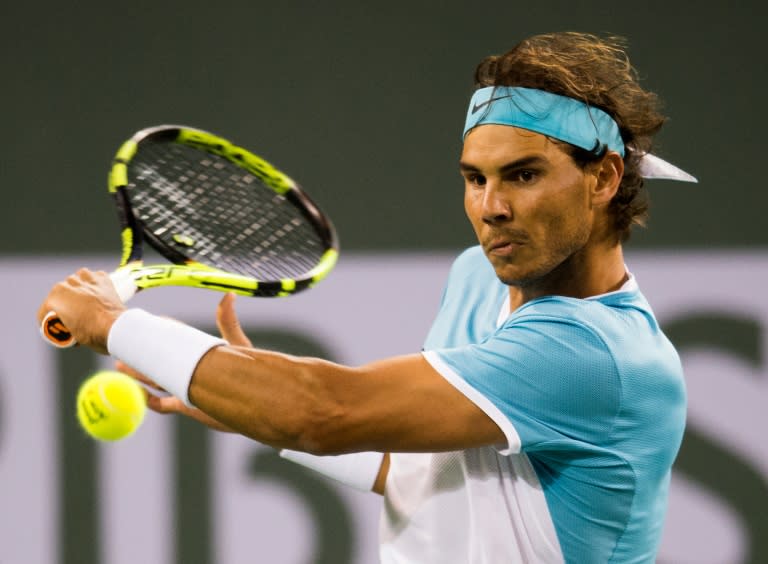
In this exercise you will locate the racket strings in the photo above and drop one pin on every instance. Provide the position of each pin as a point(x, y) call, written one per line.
point(216, 213)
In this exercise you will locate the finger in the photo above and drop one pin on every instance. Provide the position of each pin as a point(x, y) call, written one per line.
point(53, 295)
point(172, 405)
point(228, 323)
point(120, 366)
point(70, 282)
point(42, 312)
point(81, 278)
point(165, 404)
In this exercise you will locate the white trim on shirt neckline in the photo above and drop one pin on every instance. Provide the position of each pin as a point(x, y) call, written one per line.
point(503, 312)
point(629, 286)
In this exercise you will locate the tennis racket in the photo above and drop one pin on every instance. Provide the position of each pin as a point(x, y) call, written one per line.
point(223, 217)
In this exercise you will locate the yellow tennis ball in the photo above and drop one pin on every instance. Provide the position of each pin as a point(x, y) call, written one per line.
point(110, 405)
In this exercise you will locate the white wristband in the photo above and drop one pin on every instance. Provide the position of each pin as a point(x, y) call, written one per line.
point(358, 469)
point(162, 349)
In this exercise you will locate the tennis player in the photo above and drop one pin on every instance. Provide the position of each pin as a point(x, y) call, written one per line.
point(542, 418)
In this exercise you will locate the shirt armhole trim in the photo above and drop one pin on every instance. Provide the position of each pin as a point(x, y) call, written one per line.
point(487, 406)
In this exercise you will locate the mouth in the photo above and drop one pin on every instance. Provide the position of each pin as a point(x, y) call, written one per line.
point(503, 247)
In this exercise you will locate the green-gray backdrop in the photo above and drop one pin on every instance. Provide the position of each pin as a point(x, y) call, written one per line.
point(362, 102)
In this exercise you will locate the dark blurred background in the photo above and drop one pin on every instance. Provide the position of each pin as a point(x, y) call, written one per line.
point(362, 103)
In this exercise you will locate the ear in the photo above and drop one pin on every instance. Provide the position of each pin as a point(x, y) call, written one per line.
point(608, 173)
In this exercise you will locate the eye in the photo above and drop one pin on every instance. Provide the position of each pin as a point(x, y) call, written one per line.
point(474, 178)
point(524, 176)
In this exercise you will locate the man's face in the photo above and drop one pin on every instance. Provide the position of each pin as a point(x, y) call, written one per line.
point(528, 202)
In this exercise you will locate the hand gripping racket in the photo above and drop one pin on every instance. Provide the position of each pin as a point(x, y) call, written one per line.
point(225, 218)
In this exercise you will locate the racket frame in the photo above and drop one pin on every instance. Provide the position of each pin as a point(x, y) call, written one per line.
point(133, 275)
point(186, 272)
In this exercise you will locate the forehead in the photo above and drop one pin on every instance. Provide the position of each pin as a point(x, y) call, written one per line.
point(493, 143)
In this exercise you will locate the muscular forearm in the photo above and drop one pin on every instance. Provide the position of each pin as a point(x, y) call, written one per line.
point(226, 385)
point(276, 399)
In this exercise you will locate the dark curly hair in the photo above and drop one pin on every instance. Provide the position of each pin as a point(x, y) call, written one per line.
point(598, 72)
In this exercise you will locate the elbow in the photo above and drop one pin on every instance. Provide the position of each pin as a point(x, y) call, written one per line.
point(321, 434)
point(321, 422)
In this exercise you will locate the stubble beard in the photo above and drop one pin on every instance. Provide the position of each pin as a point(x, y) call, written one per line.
point(548, 271)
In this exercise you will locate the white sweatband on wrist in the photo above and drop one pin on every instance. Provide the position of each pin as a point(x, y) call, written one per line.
point(358, 469)
point(162, 349)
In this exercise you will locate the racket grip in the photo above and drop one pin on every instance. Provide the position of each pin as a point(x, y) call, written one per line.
point(56, 333)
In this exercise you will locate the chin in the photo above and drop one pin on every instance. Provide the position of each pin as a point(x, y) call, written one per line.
point(516, 282)
point(512, 278)
point(518, 277)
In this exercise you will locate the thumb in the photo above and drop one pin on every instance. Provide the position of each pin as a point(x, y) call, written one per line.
point(228, 324)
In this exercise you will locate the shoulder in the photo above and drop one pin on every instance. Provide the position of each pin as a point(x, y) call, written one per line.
point(471, 260)
point(617, 332)
point(471, 269)
point(606, 316)
point(612, 337)
point(561, 335)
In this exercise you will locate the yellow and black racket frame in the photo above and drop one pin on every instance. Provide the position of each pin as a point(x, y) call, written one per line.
point(186, 272)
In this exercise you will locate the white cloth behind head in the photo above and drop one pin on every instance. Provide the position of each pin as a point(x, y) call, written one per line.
point(652, 166)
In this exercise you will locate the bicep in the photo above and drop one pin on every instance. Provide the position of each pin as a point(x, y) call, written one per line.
point(403, 404)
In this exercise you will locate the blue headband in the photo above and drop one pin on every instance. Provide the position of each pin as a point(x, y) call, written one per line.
point(559, 117)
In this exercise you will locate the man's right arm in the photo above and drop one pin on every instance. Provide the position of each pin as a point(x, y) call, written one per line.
point(381, 480)
point(364, 471)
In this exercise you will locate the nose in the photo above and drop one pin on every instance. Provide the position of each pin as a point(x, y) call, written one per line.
point(496, 205)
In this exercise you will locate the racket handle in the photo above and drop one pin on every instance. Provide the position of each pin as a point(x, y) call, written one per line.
point(56, 333)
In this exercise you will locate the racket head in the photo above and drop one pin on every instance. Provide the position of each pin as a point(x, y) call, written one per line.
point(226, 218)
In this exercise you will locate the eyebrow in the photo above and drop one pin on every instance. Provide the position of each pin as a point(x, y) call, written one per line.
point(519, 163)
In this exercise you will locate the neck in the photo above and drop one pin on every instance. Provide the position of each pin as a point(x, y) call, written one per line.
point(592, 271)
